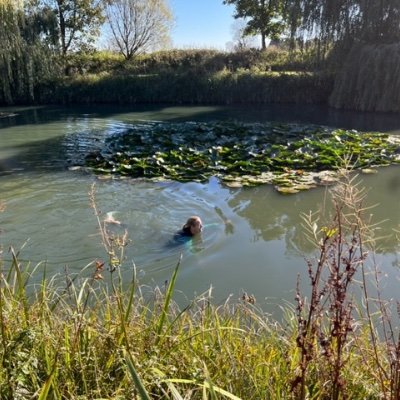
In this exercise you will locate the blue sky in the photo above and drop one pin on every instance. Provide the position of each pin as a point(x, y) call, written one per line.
point(201, 24)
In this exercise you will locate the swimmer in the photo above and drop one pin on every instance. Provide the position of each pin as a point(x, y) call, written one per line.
point(192, 227)
point(189, 235)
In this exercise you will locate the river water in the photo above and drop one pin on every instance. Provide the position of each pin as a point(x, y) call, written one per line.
point(49, 219)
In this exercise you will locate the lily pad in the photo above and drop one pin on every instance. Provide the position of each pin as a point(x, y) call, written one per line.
point(286, 190)
point(233, 184)
point(292, 157)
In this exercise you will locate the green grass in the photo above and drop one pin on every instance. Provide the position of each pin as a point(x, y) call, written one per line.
point(81, 343)
point(61, 344)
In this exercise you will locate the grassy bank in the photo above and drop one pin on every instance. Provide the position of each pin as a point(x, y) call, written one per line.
point(277, 75)
point(78, 337)
point(223, 87)
point(182, 77)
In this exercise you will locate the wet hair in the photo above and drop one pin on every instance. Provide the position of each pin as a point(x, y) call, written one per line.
point(189, 223)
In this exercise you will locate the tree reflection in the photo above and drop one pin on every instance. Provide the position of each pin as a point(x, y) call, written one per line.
point(273, 216)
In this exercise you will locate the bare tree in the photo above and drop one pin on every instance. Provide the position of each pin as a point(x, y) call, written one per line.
point(138, 25)
point(240, 41)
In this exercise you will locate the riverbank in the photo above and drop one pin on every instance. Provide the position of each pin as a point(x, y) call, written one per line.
point(223, 87)
point(188, 77)
point(182, 77)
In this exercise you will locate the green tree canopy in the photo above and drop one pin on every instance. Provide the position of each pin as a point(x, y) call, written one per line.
point(11, 44)
point(78, 21)
point(264, 17)
point(361, 41)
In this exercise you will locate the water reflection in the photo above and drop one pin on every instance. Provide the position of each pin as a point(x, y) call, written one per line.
point(276, 217)
point(273, 216)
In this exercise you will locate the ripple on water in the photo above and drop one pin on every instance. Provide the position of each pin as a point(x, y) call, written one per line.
point(153, 213)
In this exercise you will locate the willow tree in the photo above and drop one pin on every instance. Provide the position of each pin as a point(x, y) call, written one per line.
point(333, 23)
point(263, 17)
point(138, 25)
point(362, 37)
point(25, 57)
point(11, 49)
point(380, 22)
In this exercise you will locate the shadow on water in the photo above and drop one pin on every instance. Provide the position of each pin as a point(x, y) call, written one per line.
point(46, 155)
point(302, 113)
point(58, 148)
point(268, 222)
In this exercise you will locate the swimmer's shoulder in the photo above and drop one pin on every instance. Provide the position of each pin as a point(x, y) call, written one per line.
point(182, 236)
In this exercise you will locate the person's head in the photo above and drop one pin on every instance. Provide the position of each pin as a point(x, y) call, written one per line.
point(193, 226)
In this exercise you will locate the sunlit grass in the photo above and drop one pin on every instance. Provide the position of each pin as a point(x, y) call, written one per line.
point(191, 87)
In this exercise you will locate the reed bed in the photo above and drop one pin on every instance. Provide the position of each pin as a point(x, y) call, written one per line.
point(191, 87)
point(180, 76)
point(93, 336)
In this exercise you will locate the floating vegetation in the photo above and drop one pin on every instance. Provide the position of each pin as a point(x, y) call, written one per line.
point(292, 157)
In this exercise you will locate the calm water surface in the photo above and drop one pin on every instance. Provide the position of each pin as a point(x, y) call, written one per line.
point(48, 214)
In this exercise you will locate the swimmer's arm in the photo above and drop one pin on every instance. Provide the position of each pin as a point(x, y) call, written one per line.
point(228, 223)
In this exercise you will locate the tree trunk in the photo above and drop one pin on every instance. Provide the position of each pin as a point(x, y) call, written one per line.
point(62, 27)
point(263, 41)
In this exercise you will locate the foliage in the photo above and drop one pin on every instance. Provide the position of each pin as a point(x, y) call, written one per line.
point(288, 156)
point(263, 17)
point(240, 41)
point(78, 22)
point(25, 59)
point(344, 22)
point(12, 45)
point(184, 61)
point(96, 62)
point(329, 321)
point(357, 39)
point(138, 26)
point(369, 79)
point(191, 87)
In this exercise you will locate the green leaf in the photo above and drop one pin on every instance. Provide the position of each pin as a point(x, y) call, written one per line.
point(135, 377)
